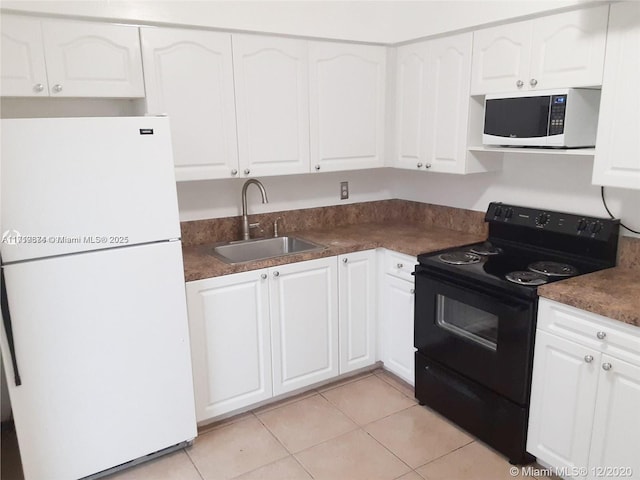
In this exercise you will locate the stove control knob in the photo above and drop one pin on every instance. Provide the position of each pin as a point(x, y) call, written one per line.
point(596, 227)
point(542, 219)
point(508, 213)
point(582, 224)
point(498, 212)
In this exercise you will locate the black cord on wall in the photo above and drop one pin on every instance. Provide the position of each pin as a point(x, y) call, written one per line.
point(604, 202)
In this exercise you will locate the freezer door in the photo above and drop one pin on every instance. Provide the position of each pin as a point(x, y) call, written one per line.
point(102, 344)
point(80, 184)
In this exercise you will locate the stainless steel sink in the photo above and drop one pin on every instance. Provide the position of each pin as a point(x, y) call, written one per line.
point(261, 249)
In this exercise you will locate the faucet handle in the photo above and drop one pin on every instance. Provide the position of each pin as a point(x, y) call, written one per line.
point(275, 226)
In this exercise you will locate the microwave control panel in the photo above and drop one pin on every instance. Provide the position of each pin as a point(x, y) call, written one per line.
point(556, 114)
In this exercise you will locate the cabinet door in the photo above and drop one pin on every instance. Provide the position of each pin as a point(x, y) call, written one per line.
point(304, 323)
point(230, 342)
point(23, 72)
point(189, 76)
point(616, 429)
point(272, 103)
point(357, 310)
point(563, 393)
point(92, 59)
point(397, 327)
point(567, 50)
point(347, 95)
point(411, 92)
point(447, 103)
point(617, 159)
point(501, 58)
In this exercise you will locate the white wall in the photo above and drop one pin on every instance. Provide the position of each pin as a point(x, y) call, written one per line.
point(221, 198)
point(552, 182)
point(369, 21)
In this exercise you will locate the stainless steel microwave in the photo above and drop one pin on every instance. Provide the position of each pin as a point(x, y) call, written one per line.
point(562, 118)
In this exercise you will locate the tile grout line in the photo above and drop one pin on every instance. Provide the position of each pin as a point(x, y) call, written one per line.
point(194, 464)
point(388, 450)
point(382, 377)
point(445, 454)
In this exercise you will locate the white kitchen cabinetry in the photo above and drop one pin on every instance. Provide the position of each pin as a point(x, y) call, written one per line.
point(272, 104)
point(396, 320)
point(585, 391)
point(262, 333)
point(357, 309)
point(230, 342)
point(433, 105)
point(556, 51)
point(64, 58)
point(304, 323)
point(189, 76)
point(617, 159)
point(347, 106)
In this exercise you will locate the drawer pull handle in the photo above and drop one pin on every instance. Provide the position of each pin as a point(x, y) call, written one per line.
point(263, 276)
point(606, 366)
point(345, 260)
point(276, 273)
point(588, 358)
point(412, 291)
point(399, 265)
point(601, 335)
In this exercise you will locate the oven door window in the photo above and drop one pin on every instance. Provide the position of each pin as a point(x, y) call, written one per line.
point(468, 322)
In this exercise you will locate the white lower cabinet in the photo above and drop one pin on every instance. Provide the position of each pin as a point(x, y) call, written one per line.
point(585, 393)
point(396, 320)
point(230, 342)
point(357, 309)
point(304, 323)
point(262, 333)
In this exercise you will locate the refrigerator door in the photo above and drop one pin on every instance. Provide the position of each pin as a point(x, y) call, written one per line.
point(102, 345)
point(79, 184)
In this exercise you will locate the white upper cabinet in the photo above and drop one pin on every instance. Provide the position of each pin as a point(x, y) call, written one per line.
point(83, 59)
point(23, 66)
point(347, 102)
point(189, 76)
point(410, 102)
point(272, 104)
point(617, 160)
point(564, 50)
point(447, 104)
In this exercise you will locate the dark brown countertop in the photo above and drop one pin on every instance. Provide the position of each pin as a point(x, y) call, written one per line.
point(613, 293)
point(411, 240)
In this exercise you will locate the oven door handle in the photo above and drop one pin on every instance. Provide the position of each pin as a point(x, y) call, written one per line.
point(506, 302)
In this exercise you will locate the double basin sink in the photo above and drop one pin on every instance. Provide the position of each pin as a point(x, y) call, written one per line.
point(262, 249)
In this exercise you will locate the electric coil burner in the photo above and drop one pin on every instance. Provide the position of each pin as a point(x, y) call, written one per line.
point(475, 315)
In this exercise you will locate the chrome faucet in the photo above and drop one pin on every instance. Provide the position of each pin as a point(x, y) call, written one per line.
point(245, 218)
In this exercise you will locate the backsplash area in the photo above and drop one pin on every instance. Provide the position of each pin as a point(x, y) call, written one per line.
point(226, 229)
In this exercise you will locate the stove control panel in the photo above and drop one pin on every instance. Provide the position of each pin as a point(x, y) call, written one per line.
point(549, 220)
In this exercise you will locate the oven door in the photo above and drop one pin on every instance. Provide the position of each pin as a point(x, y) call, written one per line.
point(483, 335)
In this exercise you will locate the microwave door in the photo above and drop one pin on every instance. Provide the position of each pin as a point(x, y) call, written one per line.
point(517, 121)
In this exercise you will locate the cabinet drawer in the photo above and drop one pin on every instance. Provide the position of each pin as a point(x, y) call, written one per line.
point(399, 265)
point(604, 334)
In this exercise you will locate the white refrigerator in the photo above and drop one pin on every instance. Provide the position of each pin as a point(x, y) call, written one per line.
point(95, 340)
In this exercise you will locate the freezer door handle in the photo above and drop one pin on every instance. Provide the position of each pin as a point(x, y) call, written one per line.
point(6, 318)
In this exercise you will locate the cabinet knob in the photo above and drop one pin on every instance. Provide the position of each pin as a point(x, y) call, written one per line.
point(38, 87)
point(588, 358)
point(234, 172)
point(606, 366)
point(247, 171)
point(263, 276)
point(57, 88)
point(419, 165)
point(533, 82)
point(428, 165)
point(317, 167)
point(345, 260)
point(412, 291)
point(601, 335)
point(399, 265)
point(519, 83)
point(276, 273)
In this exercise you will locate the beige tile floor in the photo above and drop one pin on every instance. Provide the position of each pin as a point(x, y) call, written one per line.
point(367, 427)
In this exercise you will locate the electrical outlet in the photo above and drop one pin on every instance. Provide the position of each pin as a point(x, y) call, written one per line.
point(344, 190)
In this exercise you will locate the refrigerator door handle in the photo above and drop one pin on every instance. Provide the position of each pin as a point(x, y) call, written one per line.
point(6, 318)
